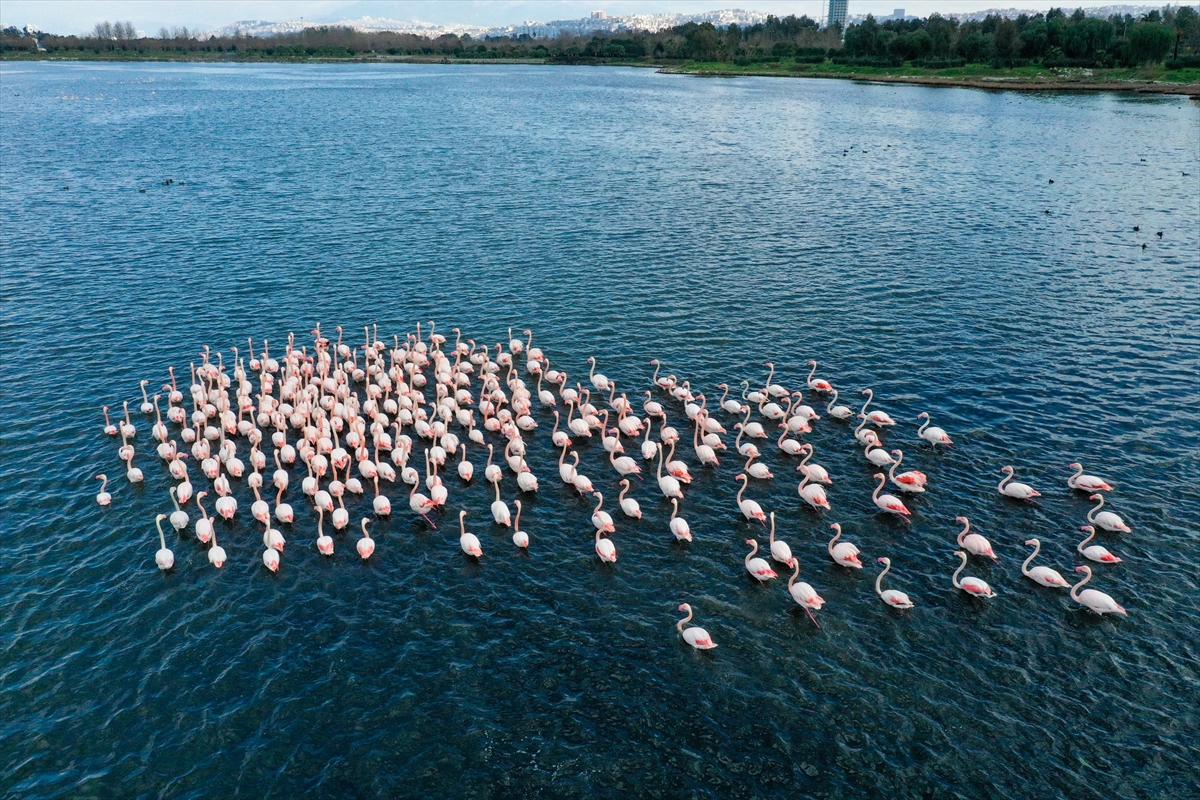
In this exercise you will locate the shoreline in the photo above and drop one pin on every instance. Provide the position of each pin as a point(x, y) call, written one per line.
point(1190, 90)
point(1036, 83)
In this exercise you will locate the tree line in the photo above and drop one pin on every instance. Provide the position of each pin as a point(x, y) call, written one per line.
point(1051, 39)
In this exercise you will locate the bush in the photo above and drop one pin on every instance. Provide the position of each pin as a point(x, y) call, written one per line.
point(935, 63)
point(1184, 62)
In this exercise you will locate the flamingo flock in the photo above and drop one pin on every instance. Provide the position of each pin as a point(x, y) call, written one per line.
point(376, 418)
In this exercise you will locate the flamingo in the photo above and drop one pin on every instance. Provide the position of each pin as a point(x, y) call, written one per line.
point(813, 494)
point(179, 517)
point(520, 538)
point(890, 597)
point(841, 413)
point(164, 558)
point(216, 553)
point(270, 559)
point(730, 406)
point(843, 553)
point(934, 435)
point(602, 519)
point(605, 549)
point(1106, 519)
point(492, 471)
point(324, 540)
point(804, 595)
point(1017, 491)
point(624, 465)
point(1093, 600)
point(875, 417)
point(365, 545)
point(581, 482)
point(109, 428)
point(272, 539)
point(817, 384)
point(649, 450)
point(744, 449)
point(752, 429)
point(973, 543)
point(1041, 575)
point(911, 481)
point(752, 396)
point(421, 504)
point(760, 471)
point(1086, 483)
point(667, 484)
point(500, 511)
point(653, 408)
point(381, 504)
point(469, 542)
point(599, 381)
point(789, 446)
point(204, 526)
point(972, 586)
point(103, 497)
point(283, 511)
point(696, 637)
point(865, 435)
point(815, 472)
point(878, 457)
point(1095, 552)
point(466, 470)
point(758, 568)
point(886, 502)
point(750, 509)
point(774, 389)
point(628, 505)
point(679, 526)
point(779, 549)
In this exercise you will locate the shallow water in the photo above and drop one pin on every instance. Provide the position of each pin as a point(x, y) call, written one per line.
point(897, 234)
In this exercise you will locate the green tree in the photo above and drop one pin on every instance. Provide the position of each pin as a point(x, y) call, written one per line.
point(1149, 42)
point(702, 42)
point(1007, 43)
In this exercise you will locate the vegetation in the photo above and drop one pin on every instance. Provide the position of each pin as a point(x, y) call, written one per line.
point(1051, 41)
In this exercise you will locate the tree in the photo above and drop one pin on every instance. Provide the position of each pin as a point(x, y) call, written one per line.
point(702, 42)
point(1149, 41)
point(1006, 42)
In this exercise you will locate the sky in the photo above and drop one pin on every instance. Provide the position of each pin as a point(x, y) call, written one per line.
point(79, 16)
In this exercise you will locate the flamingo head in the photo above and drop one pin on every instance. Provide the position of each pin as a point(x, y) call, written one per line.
point(1006, 469)
point(1031, 542)
point(813, 363)
point(1087, 528)
point(923, 415)
point(886, 561)
point(749, 541)
point(1075, 465)
point(1083, 569)
point(791, 562)
point(1096, 497)
point(961, 519)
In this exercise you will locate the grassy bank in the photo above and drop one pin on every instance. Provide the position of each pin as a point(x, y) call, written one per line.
point(1154, 78)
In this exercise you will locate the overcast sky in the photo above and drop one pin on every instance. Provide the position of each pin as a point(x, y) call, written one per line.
point(78, 16)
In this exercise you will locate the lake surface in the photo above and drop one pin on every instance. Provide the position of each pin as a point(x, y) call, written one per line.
point(908, 238)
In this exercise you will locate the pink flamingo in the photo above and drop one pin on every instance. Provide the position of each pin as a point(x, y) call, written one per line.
point(973, 543)
point(886, 502)
point(843, 553)
point(817, 384)
point(804, 595)
point(1095, 552)
point(1106, 519)
point(891, 597)
point(1093, 600)
point(972, 586)
point(1017, 491)
point(1086, 483)
point(696, 637)
point(758, 568)
point(1042, 575)
point(911, 481)
point(750, 509)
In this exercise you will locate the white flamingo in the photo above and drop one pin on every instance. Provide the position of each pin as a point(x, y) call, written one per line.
point(890, 597)
point(696, 637)
point(972, 586)
point(843, 553)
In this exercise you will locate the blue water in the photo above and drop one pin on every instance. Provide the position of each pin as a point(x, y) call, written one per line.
point(899, 235)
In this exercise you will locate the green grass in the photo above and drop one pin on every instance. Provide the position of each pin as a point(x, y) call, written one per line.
point(968, 72)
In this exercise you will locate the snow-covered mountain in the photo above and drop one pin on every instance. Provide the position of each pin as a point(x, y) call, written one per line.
point(578, 27)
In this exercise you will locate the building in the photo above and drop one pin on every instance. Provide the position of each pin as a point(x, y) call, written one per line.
point(599, 15)
point(837, 13)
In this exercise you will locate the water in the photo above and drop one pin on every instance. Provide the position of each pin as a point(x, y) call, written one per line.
point(715, 224)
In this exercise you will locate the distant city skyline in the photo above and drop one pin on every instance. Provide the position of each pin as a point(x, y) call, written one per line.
point(80, 16)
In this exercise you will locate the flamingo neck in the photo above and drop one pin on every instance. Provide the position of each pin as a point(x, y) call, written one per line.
point(879, 579)
point(1037, 548)
point(1087, 576)
point(679, 625)
point(878, 488)
point(795, 574)
point(954, 578)
point(1091, 517)
point(921, 430)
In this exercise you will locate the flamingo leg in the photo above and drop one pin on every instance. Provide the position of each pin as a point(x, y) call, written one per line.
point(427, 519)
point(810, 616)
